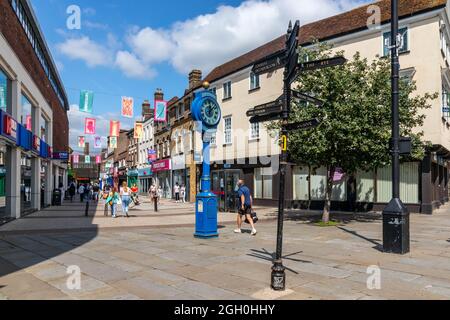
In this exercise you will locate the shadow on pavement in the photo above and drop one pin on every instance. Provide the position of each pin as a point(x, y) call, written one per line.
point(26, 247)
point(266, 255)
point(313, 217)
point(376, 242)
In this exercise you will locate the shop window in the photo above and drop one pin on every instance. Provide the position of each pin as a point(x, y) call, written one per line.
point(263, 183)
point(365, 186)
point(319, 186)
point(409, 183)
point(301, 184)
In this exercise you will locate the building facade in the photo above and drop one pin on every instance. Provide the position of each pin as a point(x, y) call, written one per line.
point(424, 59)
point(33, 106)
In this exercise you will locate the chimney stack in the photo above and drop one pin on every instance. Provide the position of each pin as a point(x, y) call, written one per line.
point(195, 79)
point(147, 112)
point(86, 149)
point(159, 94)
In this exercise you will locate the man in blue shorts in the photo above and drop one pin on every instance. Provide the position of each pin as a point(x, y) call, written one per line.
point(245, 207)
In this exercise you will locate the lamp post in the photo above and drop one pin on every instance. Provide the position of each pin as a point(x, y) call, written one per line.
point(395, 215)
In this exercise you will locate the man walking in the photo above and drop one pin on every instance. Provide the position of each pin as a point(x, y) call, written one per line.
point(245, 208)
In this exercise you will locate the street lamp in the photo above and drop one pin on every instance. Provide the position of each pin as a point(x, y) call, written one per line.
point(395, 215)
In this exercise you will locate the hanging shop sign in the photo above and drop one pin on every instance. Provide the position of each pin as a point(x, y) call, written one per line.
point(81, 142)
point(138, 130)
point(98, 159)
point(64, 156)
point(8, 126)
point(114, 128)
point(97, 142)
point(87, 159)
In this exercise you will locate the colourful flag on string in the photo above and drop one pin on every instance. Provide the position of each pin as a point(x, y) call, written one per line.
point(98, 159)
point(86, 101)
point(127, 107)
point(87, 159)
point(160, 111)
point(114, 128)
point(75, 158)
point(138, 130)
point(113, 142)
point(97, 142)
point(89, 126)
point(81, 142)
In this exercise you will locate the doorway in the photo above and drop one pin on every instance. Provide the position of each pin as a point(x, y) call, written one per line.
point(224, 185)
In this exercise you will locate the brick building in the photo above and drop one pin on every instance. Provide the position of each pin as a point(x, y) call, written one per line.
point(33, 105)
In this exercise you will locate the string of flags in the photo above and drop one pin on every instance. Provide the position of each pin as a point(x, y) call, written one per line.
point(127, 111)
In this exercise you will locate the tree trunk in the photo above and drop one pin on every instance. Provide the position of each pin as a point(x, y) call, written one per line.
point(329, 189)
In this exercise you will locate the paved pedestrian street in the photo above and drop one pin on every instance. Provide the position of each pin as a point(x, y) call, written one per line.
point(160, 261)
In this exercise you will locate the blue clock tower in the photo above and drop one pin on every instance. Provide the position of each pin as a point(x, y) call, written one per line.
point(206, 112)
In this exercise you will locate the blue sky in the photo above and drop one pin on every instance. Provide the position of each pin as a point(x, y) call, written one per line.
point(130, 48)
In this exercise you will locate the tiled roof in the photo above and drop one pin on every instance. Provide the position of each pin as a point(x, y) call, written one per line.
point(332, 27)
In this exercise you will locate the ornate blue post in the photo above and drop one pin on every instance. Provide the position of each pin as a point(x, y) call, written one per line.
point(206, 111)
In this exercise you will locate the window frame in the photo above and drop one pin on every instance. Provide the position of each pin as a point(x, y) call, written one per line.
point(251, 136)
point(387, 52)
point(255, 81)
point(228, 130)
point(227, 94)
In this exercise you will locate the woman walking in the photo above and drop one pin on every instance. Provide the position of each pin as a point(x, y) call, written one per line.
point(113, 199)
point(125, 195)
point(183, 193)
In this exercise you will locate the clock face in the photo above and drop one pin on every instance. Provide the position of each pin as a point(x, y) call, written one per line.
point(210, 113)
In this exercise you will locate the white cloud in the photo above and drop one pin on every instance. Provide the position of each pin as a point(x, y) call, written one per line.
point(133, 67)
point(205, 41)
point(158, 41)
point(87, 50)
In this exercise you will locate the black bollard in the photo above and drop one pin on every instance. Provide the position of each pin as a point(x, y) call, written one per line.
point(86, 212)
point(155, 200)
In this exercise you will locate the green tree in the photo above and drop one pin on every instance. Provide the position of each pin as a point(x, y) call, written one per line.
point(356, 117)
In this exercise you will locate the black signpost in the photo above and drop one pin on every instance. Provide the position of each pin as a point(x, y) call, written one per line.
point(320, 64)
point(280, 110)
point(304, 97)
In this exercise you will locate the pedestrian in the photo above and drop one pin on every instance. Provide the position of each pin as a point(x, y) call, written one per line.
point(159, 194)
point(81, 192)
point(105, 195)
point(87, 192)
point(176, 190)
point(245, 207)
point(96, 190)
point(112, 201)
point(61, 189)
point(183, 193)
point(72, 191)
point(135, 195)
point(152, 193)
point(125, 195)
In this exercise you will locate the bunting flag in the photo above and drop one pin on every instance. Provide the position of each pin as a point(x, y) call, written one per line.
point(98, 159)
point(87, 159)
point(127, 107)
point(97, 142)
point(86, 101)
point(138, 130)
point(114, 128)
point(113, 142)
point(89, 126)
point(81, 142)
point(160, 111)
point(75, 158)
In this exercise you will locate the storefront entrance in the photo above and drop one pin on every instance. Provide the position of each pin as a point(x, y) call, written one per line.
point(224, 185)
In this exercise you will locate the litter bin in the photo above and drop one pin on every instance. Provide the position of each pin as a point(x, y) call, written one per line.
point(56, 197)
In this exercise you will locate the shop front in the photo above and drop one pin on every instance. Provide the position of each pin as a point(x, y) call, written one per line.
point(180, 175)
point(163, 172)
point(145, 180)
point(133, 178)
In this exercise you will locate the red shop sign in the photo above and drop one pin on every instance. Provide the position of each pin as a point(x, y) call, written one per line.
point(10, 126)
point(163, 165)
